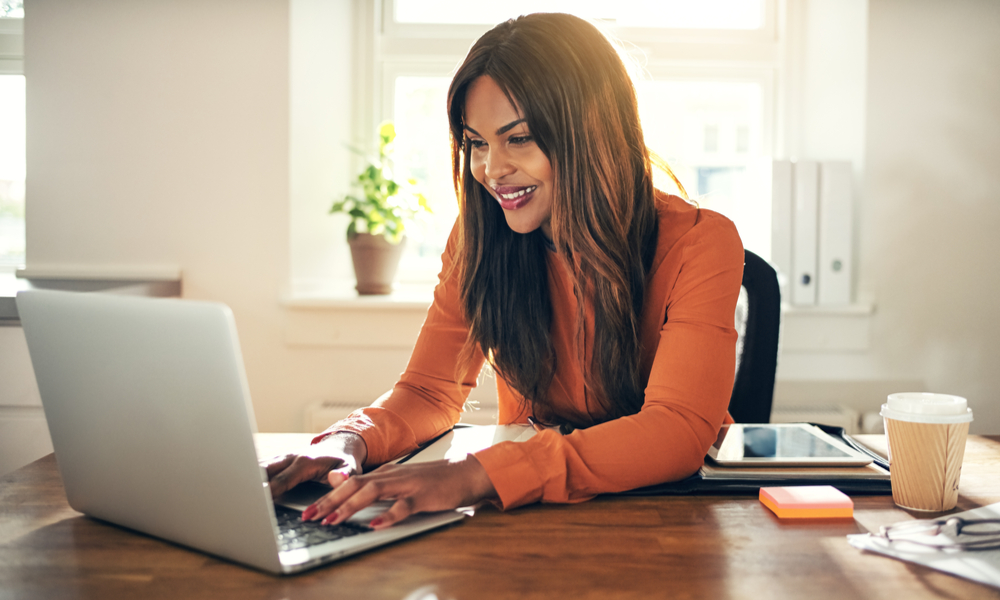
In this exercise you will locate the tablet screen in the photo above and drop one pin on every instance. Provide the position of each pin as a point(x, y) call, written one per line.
point(777, 444)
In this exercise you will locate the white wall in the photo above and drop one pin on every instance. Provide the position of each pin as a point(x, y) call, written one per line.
point(927, 205)
point(322, 43)
point(832, 75)
point(160, 136)
point(929, 234)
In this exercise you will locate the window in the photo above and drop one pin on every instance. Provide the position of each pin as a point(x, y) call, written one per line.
point(713, 134)
point(706, 77)
point(665, 14)
point(12, 136)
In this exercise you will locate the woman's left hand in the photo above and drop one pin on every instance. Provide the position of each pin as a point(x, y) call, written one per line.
point(424, 487)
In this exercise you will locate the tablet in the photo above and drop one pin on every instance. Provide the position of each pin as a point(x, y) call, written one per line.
point(782, 445)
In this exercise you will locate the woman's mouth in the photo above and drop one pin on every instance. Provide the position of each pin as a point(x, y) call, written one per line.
point(513, 197)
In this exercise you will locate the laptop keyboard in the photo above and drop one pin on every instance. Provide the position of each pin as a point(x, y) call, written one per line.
point(294, 533)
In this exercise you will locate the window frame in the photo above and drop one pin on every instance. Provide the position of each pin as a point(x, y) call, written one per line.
point(11, 46)
point(11, 63)
point(763, 76)
point(391, 28)
point(383, 41)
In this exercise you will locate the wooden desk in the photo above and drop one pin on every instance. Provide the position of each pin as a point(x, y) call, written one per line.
point(697, 547)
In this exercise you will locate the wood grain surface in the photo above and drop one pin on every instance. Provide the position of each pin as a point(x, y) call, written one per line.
point(610, 547)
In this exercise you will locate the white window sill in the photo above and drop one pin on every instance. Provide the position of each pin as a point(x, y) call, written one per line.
point(343, 296)
point(335, 315)
point(156, 281)
point(844, 310)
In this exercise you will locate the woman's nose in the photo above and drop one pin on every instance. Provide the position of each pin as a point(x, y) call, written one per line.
point(498, 164)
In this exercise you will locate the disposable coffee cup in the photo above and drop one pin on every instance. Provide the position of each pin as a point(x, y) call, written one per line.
point(926, 435)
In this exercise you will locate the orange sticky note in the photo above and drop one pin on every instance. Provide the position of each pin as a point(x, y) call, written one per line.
point(807, 502)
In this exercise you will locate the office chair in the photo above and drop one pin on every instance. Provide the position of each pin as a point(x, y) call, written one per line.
point(758, 321)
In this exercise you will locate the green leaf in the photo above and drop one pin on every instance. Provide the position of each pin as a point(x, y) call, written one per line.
point(387, 131)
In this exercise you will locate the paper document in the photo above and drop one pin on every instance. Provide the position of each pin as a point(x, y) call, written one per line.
point(465, 440)
point(715, 471)
point(982, 566)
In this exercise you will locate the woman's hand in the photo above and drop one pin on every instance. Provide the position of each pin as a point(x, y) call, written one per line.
point(339, 453)
point(424, 487)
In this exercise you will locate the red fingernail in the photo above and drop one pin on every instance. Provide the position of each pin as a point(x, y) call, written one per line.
point(375, 522)
point(330, 518)
point(309, 512)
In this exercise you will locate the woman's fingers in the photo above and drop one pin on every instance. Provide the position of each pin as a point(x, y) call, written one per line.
point(352, 493)
point(362, 498)
point(344, 451)
point(331, 507)
point(278, 464)
point(399, 510)
point(300, 468)
point(338, 476)
point(281, 474)
point(440, 485)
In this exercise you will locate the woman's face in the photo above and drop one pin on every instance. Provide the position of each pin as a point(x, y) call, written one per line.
point(505, 158)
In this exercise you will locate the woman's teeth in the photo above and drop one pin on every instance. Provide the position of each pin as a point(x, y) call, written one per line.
point(517, 194)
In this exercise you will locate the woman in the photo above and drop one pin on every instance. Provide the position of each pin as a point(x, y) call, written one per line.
point(604, 306)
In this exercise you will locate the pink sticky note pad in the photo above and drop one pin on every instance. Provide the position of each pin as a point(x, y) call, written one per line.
point(807, 502)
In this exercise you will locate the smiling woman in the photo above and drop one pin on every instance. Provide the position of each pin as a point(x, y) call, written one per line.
point(506, 160)
point(604, 306)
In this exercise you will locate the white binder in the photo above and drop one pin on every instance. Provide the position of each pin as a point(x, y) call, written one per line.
point(781, 221)
point(804, 229)
point(835, 225)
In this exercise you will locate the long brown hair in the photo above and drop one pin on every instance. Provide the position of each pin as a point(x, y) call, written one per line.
point(580, 106)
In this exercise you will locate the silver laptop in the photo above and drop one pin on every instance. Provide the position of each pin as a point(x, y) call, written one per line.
point(150, 416)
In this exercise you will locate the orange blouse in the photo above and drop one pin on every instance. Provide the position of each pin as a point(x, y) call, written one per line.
point(688, 363)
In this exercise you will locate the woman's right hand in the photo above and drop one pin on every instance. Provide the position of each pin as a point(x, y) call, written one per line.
point(341, 452)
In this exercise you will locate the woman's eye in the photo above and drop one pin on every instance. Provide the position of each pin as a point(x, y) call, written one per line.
point(520, 140)
point(475, 143)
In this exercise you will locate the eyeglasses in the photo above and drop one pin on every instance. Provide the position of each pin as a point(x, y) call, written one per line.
point(958, 533)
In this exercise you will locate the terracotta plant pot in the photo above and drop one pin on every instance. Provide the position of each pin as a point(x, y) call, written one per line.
point(375, 262)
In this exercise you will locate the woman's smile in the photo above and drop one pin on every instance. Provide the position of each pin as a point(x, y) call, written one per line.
point(513, 197)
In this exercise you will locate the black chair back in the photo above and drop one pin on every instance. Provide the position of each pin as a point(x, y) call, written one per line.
point(753, 390)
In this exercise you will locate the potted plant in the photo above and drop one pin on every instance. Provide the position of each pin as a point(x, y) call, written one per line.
point(378, 218)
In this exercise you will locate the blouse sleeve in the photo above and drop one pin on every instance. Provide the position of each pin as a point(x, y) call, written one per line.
point(427, 400)
point(686, 397)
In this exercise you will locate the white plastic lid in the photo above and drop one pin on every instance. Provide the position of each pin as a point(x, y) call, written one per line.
point(922, 407)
